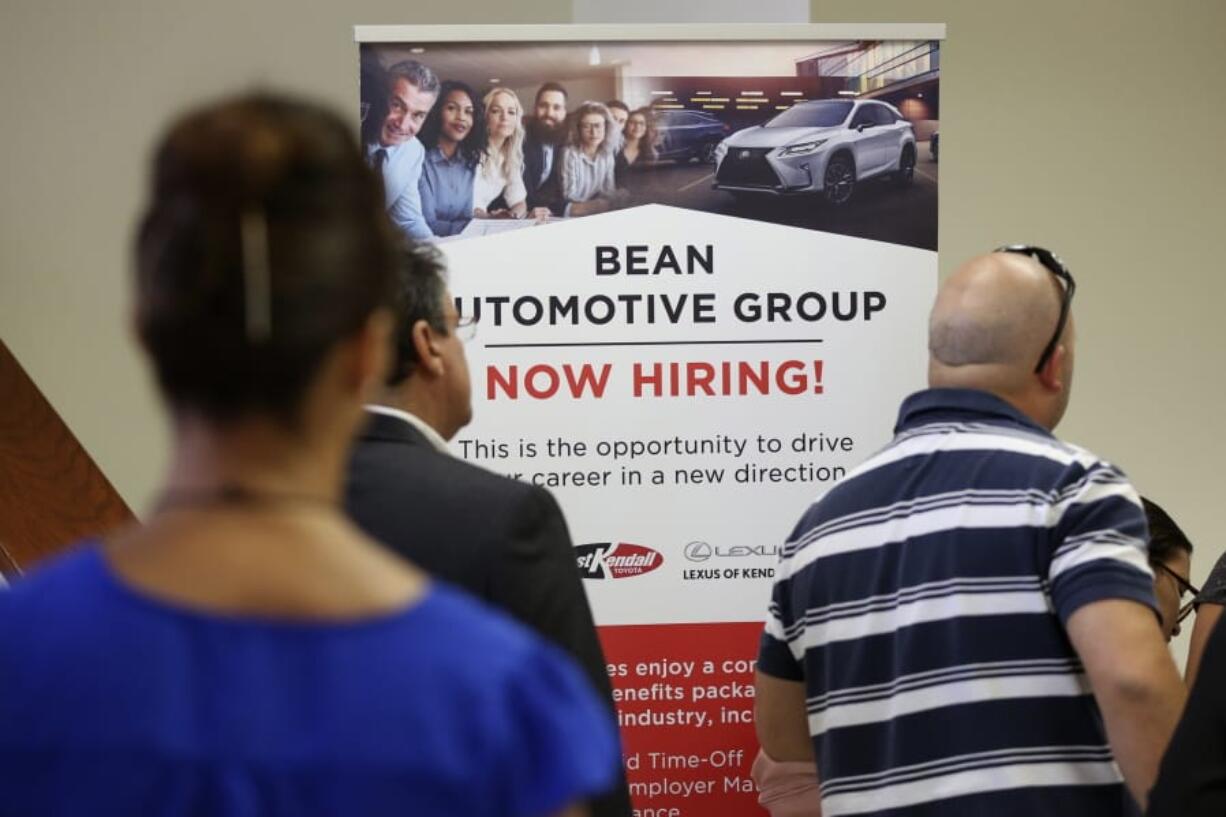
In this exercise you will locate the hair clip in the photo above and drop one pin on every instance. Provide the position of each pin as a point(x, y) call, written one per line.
point(257, 278)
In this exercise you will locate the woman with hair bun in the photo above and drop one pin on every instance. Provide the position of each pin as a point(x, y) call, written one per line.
point(248, 651)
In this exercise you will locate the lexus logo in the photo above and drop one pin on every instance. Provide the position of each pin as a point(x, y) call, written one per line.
point(744, 154)
point(701, 551)
point(698, 551)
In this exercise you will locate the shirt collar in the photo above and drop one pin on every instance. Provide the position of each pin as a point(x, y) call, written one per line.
point(435, 156)
point(391, 150)
point(960, 405)
point(433, 437)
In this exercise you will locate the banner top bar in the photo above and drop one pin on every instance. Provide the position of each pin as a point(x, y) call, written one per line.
point(666, 32)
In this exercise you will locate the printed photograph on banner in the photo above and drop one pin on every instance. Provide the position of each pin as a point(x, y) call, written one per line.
point(481, 138)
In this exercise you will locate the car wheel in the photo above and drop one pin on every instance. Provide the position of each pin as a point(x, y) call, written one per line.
point(706, 153)
point(839, 182)
point(906, 167)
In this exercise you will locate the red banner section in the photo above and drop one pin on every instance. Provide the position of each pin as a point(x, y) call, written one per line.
point(684, 697)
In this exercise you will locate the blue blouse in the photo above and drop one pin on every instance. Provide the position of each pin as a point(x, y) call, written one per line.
point(446, 192)
point(113, 703)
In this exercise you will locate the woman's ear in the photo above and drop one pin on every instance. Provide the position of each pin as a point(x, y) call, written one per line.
point(373, 351)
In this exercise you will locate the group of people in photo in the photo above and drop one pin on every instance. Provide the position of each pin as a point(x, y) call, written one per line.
point(450, 154)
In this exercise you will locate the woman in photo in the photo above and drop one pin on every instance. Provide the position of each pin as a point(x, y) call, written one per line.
point(639, 145)
point(589, 182)
point(498, 187)
point(454, 137)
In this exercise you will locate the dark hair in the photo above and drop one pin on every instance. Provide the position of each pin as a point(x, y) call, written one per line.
point(617, 103)
point(647, 143)
point(472, 149)
point(420, 288)
point(1165, 537)
point(415, 73)
point(550, 86)
point(259, 206)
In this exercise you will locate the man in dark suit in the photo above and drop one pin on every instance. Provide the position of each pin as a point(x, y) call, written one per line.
point(545, 133)
point(502, 540)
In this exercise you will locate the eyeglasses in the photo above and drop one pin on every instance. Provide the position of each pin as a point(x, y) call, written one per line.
point(1056, 267)
point(466, 328)
point(1185, 586)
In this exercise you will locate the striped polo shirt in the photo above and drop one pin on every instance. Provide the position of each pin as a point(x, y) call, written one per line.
point(923, 602)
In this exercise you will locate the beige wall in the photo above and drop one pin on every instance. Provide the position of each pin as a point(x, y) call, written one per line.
point(1092, 127)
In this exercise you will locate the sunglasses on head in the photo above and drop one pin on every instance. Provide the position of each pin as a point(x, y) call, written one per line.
point(1052, 263)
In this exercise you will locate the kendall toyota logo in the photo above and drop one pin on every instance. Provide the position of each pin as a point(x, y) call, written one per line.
point(616, 560)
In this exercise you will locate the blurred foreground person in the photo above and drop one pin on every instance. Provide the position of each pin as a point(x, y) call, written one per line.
point(966, 625)
point(249, 651)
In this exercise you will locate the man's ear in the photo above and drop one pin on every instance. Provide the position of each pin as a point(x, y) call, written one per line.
point(425, 343)
point(1052, 375)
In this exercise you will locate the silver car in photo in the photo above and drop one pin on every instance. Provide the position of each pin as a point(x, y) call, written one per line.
point(826, 146)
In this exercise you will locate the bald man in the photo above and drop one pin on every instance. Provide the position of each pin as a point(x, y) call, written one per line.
point(966, 625)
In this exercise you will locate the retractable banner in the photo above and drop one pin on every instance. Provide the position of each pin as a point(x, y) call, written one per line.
point(692, 321)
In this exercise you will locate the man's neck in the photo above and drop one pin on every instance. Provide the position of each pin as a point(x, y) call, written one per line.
point(1026, 402)
point(413, 418)
point(420, 401)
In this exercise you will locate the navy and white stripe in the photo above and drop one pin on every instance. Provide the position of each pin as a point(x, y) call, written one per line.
point(922, 601)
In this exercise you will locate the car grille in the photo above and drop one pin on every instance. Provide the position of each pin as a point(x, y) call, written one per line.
point(747, 167)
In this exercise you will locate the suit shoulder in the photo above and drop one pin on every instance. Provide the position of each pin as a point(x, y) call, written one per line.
point(452, 474)
point(484, 479)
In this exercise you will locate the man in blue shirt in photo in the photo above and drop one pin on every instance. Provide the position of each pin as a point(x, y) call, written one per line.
point(395, 151)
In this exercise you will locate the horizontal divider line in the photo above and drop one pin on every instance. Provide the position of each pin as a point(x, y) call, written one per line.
point(651, 343)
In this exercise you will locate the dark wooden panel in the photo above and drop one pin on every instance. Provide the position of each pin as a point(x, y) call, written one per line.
point(51, 492)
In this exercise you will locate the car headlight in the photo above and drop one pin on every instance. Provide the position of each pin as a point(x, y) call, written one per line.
point(801, 148)
point(721, 150)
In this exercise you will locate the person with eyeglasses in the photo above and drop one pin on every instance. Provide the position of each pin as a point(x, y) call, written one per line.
point(966, 624)
point(588, 173)
point(1170, 556)
point(503, 540)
